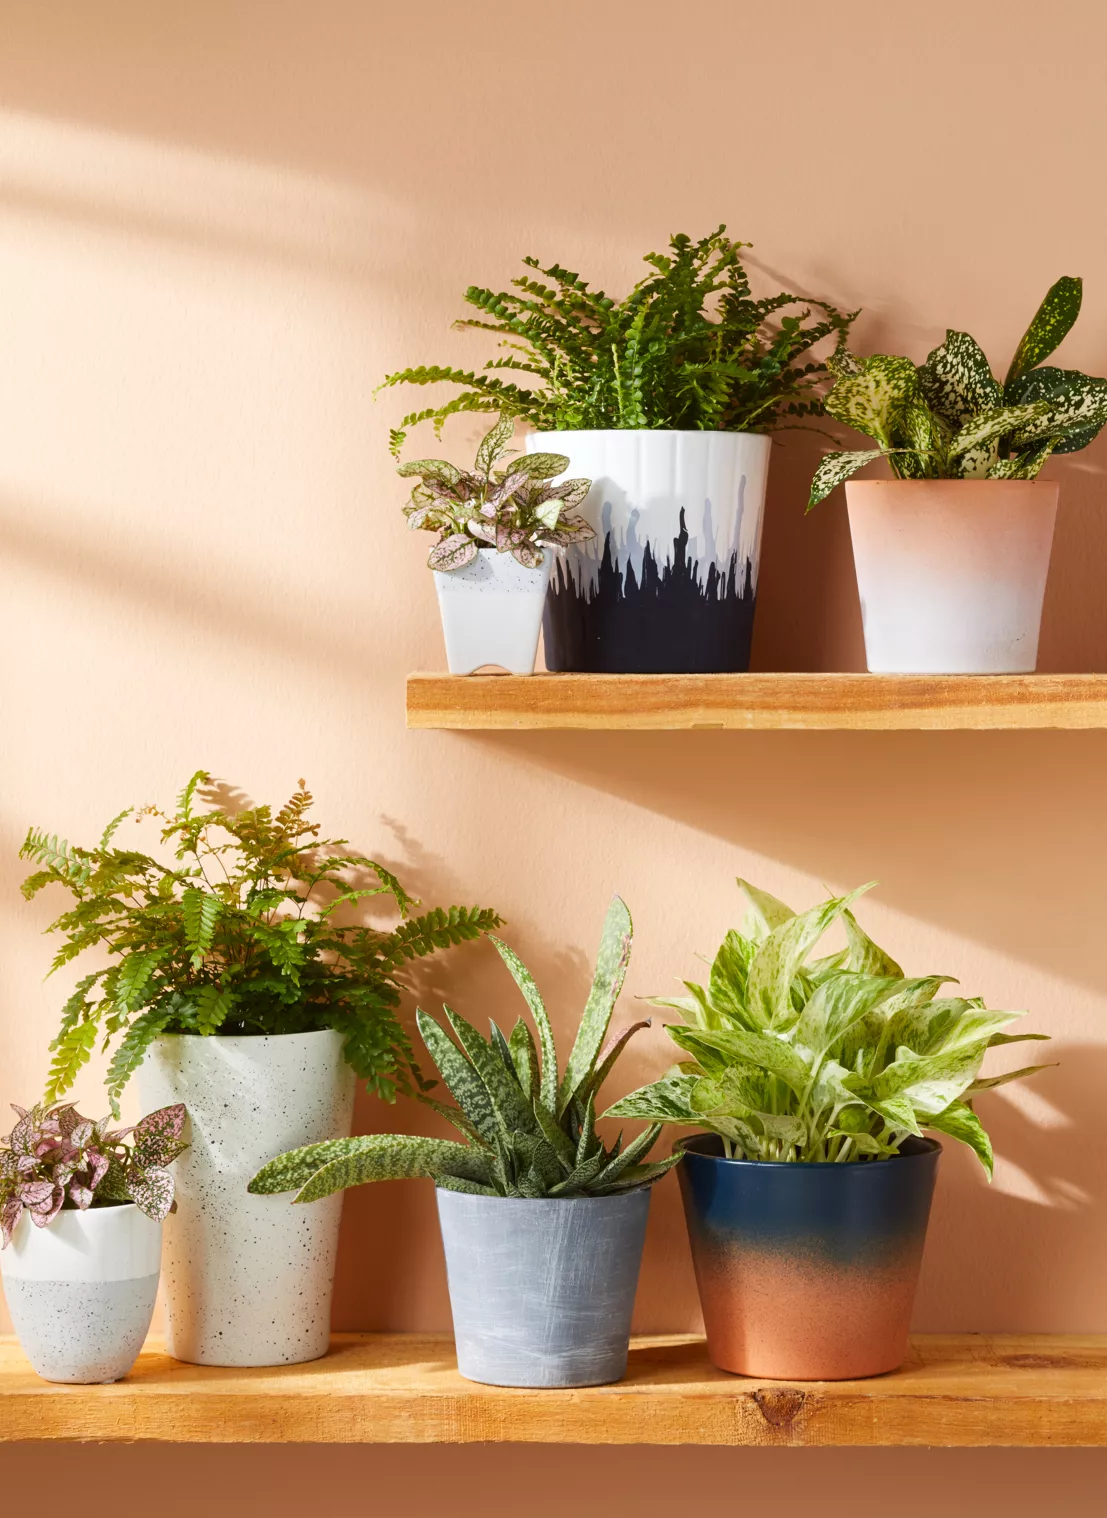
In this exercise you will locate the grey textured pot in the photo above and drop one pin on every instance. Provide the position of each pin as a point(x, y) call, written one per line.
point(542, 1291)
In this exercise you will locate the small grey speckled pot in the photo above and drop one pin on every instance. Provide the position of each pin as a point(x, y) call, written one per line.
point(248, 1279)
point(542, 1291)
point(81, 1290)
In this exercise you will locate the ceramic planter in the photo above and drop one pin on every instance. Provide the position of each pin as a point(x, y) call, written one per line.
point(542, 1291)
point(807, 1272)
point(667, 586)
point(249, 1279)
point(951, 573)
point(492, 612)
point(81, 1291)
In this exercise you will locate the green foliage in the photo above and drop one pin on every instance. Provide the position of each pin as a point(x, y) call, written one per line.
point(242, 935)
point(516, 510)
point(950, 419)
point(839, 1059)
point(528, 1134)
point(688, 348)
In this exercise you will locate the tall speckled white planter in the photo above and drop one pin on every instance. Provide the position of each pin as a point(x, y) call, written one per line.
point(492, 612)
point(542, 1291)
point(668, 584)
point(249, 1279)
point(81, 1291)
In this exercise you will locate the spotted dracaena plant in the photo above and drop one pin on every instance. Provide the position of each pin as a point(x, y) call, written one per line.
point(516, 509)
point(829, 1060)
point(951, 419)
point(528, 1132)
point(55, 1158)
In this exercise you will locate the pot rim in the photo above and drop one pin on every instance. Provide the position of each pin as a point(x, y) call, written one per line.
point(544, 1201)
point(648, 432)
point(955, 484)
point(250, 1038)
point(927, 1147)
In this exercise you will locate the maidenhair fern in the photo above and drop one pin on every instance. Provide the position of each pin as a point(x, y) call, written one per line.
point(689, 348)
point(244, 934)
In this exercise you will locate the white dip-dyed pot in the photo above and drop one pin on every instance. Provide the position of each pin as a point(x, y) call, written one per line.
point(491, 612)
point(81, 1291)
point(542, 1291)
point(667, 586)
point(249, 1279)
point(951, 573)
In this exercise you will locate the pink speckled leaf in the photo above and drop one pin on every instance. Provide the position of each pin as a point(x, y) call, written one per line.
point(158, 1137)
point(10, 1213)
point(152, 1193)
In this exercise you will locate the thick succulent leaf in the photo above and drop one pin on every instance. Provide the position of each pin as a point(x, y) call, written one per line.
point(558, 1140)
point(960, 1122)
point(452, 553)
point(607, 981)
point(957, 382)
point(835, 468)
point(525, 981)
point(989, 425)
point(469, 1188)
point(777, 960)
point(524, 1057)
point(873, 400)
point(391, 1157)
point(1050, 324)
point(637, 1176)
point(668, 1100)
point(462, 1081)
point(635, 1151)
point(609, 1055)
point(509, 1103)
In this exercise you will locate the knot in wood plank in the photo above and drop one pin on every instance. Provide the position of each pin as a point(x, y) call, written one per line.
point(780, 1406)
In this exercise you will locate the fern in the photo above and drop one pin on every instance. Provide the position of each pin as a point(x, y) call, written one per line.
point(688, 348)
point(247, 930)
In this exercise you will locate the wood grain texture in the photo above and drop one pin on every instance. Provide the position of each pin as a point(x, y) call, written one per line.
point(955, 1390)
point(756, 702)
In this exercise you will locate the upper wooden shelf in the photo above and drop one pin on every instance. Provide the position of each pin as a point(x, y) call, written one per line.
point(749, 702)
point(954, 1390)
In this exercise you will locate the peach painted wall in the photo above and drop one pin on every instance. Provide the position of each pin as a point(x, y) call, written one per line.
point(220, 223)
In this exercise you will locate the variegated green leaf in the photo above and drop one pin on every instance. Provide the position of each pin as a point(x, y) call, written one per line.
point(864, 955)
point(1050, 324)
point(957, 382)
point(525, 981)
point(668, 1100)
point(462, 1081)
point(990, 425)
point(607, 981)
point(873, 400)
point(1074, 409)
point(777, 960)
point(1023, 466)
point(835, 468)
point(764, 912)
point(960, 1122)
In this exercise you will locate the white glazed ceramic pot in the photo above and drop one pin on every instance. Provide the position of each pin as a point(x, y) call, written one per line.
point(492, 612)
point(81, 1291)
point(542, 1291)
point(668, 584)
point(249, 1279)
point(951, 573)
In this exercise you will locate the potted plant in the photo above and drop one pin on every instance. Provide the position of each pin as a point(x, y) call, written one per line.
point(81, 1209)
point(807, 1199)
point(238, 985)
point(542, 1223)
point(491, 563)
point(665, 400)
point(952, 553)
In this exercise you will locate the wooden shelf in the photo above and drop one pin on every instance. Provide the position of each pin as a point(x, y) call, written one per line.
point(955, 1390)
point(756, 702)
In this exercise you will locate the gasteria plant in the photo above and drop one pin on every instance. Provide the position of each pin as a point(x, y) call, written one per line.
point(528, 1133)
point(688, 348)
point(950, 419)
point(240, 936)
point(515, 509)
point(55, 1158)
point(837, 1059)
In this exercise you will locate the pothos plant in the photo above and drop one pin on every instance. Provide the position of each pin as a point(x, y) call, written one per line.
point(240, 932)
point(836, 1059)
point(688, 348)
point(951, 419)
point(516, 509)
point(55, 1158)
point(528, 1131)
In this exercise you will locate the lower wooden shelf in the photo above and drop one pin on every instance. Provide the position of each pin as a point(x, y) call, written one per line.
point(954, 1390)
point(758, 702)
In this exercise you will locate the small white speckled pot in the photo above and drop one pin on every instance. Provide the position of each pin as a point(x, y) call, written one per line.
point(81, 1291)
point(492, 612)
point(249, 1279)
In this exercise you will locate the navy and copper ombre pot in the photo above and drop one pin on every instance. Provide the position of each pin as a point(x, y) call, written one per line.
point(807, 1272)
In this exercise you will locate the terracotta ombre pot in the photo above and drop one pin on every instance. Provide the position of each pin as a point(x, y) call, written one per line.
point(807, 1272)
point(951, 573)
